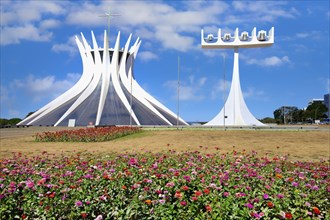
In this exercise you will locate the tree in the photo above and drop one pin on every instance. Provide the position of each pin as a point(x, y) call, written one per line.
point(14, 121)
point(298, 116)
point(30, 113)
point(316, 111)
point(9, 122)
point(3, 121)
point(268, 120)
point(285, 114)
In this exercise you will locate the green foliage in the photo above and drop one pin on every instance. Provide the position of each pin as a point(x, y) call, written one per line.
point(3, 121)
point(14, 121)
point(269, 120)
point(9, 122)
point(314, 111)
point(30, 113)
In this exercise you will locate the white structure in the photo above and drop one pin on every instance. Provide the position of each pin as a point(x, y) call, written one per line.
point(235, 112)
point(107, 92)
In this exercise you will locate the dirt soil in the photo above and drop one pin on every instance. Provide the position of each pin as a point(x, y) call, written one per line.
point(300, 145)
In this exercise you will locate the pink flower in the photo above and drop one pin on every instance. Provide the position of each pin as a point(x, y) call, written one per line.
point(162, 201)
point(315, 187)
point(154, 166)
point(79, 203)
point(256, 215)
point(183, 203)
point(103, 198)
point(29, 184)
point(170, 184)
point(99, 217)
point(187, 178)
point(266, 196)
point(249, 205)
point(133, 161)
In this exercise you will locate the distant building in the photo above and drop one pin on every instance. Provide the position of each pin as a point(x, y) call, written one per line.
point(326, 103)
point(315, 100)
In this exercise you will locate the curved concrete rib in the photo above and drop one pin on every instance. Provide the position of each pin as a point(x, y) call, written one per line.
point(89, 88)
point(68, 95)
point(116, 72)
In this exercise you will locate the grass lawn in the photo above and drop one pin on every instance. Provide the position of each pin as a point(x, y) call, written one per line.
point(303, 145)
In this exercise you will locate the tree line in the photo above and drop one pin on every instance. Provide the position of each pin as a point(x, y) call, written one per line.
point(282, 115)
point(292, 115)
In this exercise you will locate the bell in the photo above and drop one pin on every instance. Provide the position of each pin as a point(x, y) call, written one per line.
point(210, 37)
point(227, 37)
point(262, 35)
point(244, 36)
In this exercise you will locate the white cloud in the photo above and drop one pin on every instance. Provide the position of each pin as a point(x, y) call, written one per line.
point(254, 94)
point(147, 56)
point(310, 35)
point(270, 61)
point(189, 90)
point(49, 23)
point(155, 21)
point(7, 103)
point(23, 12)
point(25, 20)
point(262, 11)
point(9, 35)
point(70, 46)
point(219, 88)
point(47, 87)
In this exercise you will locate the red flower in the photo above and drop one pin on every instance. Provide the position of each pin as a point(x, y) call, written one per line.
point(83, 215)
point(52, 195)
point(178, 195)
point(208, 208)
point(185, 188)
point(270, 204)
point(316, 211)
point(198, 193)
point(105, 176)
point(124, 187)
point(24, 216)
point(206, 191)
point(279, 176)
point(288, 215)
point(194, 198)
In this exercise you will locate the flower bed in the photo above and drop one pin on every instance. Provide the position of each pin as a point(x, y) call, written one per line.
point(170, 185)
point(86, 134)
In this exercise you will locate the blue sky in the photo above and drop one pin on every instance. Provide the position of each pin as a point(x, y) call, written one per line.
point(39, 58)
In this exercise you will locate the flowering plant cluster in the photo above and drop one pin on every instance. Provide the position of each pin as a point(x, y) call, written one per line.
point(86, 134)
point(170, 185)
